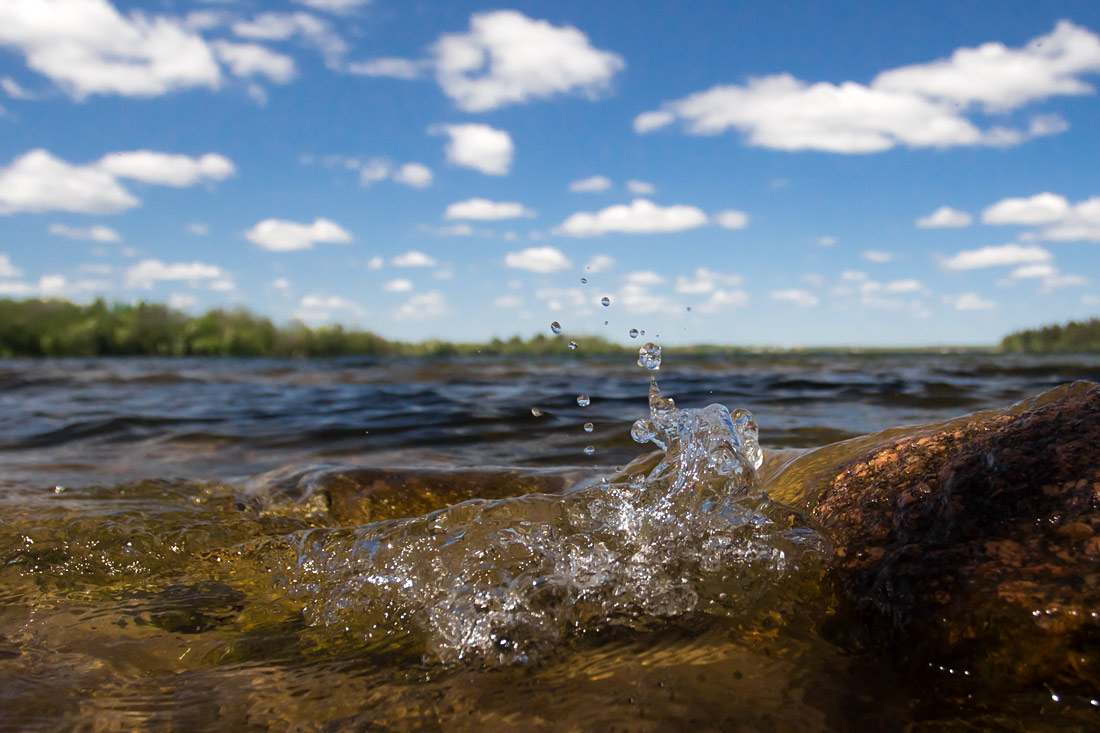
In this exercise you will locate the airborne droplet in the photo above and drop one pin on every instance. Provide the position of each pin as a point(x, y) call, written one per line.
point(589, 450)
point(584, 400)
point(633, 333)
point(536, 412)
point(555, 327)
point(588, 427)
point(572, 345)
point(649, 356)
point(584, 279)
point(605, 301)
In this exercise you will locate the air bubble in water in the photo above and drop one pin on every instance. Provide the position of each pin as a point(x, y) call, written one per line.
point(536, 412)
point(605, 301)
point(649, 356)
point(555, 327)
point(588, 427)
point(584, 400)
point(589, 450)
point(633, 333)
point(572, 345)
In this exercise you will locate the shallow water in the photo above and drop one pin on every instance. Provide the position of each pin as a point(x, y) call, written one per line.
point(260, 544)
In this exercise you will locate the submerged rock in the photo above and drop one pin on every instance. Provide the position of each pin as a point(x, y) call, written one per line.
point(974, 547)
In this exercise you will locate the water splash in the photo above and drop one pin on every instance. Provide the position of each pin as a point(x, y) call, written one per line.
point(502, 582)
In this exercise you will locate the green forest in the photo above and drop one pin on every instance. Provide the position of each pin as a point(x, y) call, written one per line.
point(31, 328)
point(1073, 338)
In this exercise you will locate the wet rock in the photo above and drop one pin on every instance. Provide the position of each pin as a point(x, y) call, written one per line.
point(975, 547)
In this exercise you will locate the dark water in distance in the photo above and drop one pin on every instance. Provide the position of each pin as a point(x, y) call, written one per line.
point(84, 421)
point(146, 582)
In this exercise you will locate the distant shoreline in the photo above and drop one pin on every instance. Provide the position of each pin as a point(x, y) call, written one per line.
point(58, 328)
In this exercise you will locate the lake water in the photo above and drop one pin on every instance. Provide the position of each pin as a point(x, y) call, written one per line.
point(168, 561)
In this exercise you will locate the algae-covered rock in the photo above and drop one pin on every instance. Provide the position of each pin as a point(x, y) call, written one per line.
point(975, 547)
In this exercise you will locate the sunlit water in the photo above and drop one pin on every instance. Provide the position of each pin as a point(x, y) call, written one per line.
point(173, 556)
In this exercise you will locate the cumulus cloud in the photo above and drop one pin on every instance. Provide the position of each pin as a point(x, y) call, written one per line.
point(13, 89)
point(87, 47)
point(876, 255)
point(508, 301)
point(508, 58)
point(1063, 221)
point(945, 217)
point(414, 258)
point(592, 184)
point(392, 68)
point(279, 235)
point(826, 241)
point(641, 216)
point(95, 233)
point(165, 169)
point(425, 305)
point(640, 188)
point(599, 263)
point(198, 229)
point(7, 269)
point(538, 259)
point(995, 256)
point(705, 281)
point(37, 181)
point(1049, 276)
point(485, 210)
point(416, 175)
point(333, 6)
point(917, 106)
point(802, 298)
point(477, 146)
point(398, 285)
point(148, 273)
point(317, 308)
point(732, 219)
point(720, 300)
point(252, 59)
point(308, 29)
point(969, 302)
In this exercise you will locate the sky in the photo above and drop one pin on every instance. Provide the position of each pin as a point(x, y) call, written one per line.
point(768, 174)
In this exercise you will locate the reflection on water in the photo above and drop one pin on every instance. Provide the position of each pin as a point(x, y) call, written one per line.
point(675, 594)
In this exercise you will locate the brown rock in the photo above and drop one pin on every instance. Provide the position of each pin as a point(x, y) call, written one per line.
point(975, 545)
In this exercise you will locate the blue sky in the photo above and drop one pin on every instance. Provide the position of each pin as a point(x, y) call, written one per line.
point(766, 173)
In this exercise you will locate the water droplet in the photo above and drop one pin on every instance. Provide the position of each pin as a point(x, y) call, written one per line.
point(633, 333)
point(555, 327)
point(605, 323)
point(588, 427)
point(605, 301)
point(584, 400)
point(649, 356)
point(689, 309)
point(58, 489)
point(536, 412)
point(643, 431)
point(572, 345)
point(584, 279)
point(642, 332)
point(589, 450)
point(637, 481)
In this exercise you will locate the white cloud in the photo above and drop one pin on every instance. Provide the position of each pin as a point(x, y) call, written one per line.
point(945, 217)
point(645, 277)
point(333, 6)
point(37, 182)
point(802, 298)
point(223, 286)
point(508, 58)
point(375, 263)
point(454, 230)
point(416, 175)
point(17, 289)
point(599, 263)
point(538, 259)
point(181, 301)
point(640, 188)
point(148, 273)
point(319, 308)
point(1042, 208)
point(414, 258)
point(96, 233)
point(994, 256)
point(486, 210)
point(88, 47)
point(166, 169)
point(311, 30)
point(198, 229)
point(1050, 277)
point(251, 59)
point(827, 241)
point(398, 285)
point(705, 281)
point(279, 235)
point(592, 184)
point(424, 305)
point(13, 89)
point(508, 301)
point(375, 170)
point(640, 217)
point(721, 300)
point(7, 269)
point(732, 219)
point(557, 299)
point(1090, 300)
point(969, 302)
point(876, 255)
point(392, 68)
point(918, 106)
point(477, 146)
point(281, 284)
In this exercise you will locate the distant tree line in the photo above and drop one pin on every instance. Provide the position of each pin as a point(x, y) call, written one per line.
point(1074, 337)
point(60, 328)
